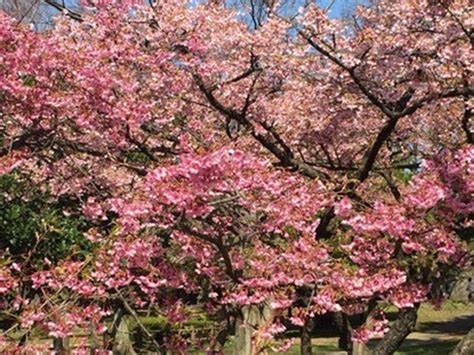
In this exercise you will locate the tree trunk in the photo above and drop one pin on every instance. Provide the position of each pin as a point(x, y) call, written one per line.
point(345, 331)
point(251, 319)
point(138, 339)
point(466, 345)
point(399, 330)
point(306, 346)
point(221, 339)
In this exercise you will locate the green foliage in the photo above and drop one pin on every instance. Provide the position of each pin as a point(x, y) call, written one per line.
point(32, 222)
point(28, 80)
point(403, 175)
point(137, 157)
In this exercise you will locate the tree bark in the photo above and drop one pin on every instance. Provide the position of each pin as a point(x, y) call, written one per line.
point(399, 330)
point(345, 331)
point(251, 319)
point(306, 346)
point(466, 345)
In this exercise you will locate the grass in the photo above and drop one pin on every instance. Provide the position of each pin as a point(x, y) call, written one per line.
point(450, 310)
point(317, 349)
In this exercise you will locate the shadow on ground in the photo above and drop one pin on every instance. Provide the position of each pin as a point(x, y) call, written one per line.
point(459, 326)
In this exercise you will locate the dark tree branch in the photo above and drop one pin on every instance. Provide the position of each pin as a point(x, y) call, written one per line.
point(352, 72)
point(392, 186)
point(466, 121)
point(272, 142)
point(389, 127)
point(393, 111)
point(73, 15)
point(142, 147)
point(227, 260)
point(322, 231)
point(469, 32)
point(217, 242)
point(138, 320)
point(465, 91)
point(81, 148)
point(24, 140)
point(399, 330)
point(254, 67)
point(375, 148)
point(253, 15)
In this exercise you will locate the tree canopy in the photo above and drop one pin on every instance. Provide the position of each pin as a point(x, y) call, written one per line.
point(302, 166)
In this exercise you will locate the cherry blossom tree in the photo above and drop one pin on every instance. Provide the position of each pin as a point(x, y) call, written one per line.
point(262, 176)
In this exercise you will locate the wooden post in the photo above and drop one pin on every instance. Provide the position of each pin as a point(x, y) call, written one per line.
point(252, 318)
point(61, 346)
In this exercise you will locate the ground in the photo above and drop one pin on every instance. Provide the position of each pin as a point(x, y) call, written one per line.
point(437, 332)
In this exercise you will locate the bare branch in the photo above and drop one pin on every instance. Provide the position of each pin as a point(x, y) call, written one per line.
point(137, 319)
point(272, 142)
point(73, 15)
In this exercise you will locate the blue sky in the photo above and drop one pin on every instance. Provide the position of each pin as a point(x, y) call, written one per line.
point(338, 8)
